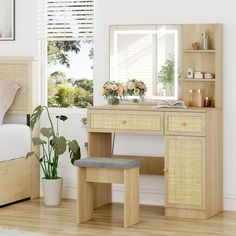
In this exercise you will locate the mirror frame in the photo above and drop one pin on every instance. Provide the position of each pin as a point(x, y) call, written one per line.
point(178, 59)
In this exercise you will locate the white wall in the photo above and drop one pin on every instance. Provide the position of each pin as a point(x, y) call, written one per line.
point(26, 44)
point(138, 12)
point(174, 12)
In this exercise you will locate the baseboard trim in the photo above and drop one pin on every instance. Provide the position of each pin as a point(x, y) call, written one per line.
point(229, 202)
point(148, 196)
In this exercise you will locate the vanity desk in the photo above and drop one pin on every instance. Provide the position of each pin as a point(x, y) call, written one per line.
point(192, 165)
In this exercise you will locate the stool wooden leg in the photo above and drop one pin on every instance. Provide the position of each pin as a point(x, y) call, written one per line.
point(131, 197)
point(84, 197)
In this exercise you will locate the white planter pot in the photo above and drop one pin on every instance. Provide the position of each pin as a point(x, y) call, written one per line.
point(52, 191)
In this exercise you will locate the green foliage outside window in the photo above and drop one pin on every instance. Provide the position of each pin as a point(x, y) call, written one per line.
point(64, 91)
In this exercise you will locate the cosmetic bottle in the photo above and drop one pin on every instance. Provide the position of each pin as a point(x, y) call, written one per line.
point(190, 73)
point(204, 41)
point(207, 102)
point(190, 98)
point(199, 101)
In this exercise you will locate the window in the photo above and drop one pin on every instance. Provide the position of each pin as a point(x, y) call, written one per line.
point(67, 36)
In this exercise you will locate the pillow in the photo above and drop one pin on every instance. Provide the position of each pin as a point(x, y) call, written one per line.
point(8, 89)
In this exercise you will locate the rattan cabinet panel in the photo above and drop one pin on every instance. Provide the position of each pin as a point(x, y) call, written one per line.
point(185, 157)
point(185, 124)
point(118, 121)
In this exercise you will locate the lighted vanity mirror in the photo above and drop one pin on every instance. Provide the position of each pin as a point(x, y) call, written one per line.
point(151, 53)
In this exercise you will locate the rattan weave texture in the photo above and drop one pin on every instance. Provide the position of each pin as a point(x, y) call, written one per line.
point(185, 172)
point(126, 122)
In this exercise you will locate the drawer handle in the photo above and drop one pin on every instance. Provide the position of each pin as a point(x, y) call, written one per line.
point(123, 121)
point(165, 170)
point(183, 123)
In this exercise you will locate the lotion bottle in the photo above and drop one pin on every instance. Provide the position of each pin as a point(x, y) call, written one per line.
point(199, 102)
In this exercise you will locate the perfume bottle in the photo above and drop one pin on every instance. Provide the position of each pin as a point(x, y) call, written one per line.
point(199, 102)
point(190, 73)
point(190, 98)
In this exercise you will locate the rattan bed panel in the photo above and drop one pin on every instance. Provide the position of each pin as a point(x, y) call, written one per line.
point(19, 73)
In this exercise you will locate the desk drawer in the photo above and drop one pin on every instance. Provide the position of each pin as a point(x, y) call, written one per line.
point(185, 123)
point(146, 122)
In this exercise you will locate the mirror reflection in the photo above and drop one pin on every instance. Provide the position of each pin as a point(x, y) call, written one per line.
point(148, 53)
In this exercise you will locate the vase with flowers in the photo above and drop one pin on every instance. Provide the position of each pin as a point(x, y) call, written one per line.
point(113, 91)
point(135, 88)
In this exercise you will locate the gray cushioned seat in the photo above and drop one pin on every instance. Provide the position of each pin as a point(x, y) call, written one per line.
point(111, 163)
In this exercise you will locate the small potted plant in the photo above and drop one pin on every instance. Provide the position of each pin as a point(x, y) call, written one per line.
point(53, 145)
point(136, 88)
point(166, 75)
point(113, 92)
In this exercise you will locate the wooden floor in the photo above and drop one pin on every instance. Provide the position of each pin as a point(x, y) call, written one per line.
point(108, 221)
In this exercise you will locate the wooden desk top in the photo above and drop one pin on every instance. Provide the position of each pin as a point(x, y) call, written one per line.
point(147, 107)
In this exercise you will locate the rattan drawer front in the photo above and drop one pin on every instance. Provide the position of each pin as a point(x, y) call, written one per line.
point(184, 171)
point(118, 121)
point(188, 124)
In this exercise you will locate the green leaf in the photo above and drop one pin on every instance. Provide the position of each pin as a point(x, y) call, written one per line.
point(35, 116)
point(74, 151)
point(29, 154)
point(63, 118)
point(37, 141)
point(46, 132)
point(59, 145)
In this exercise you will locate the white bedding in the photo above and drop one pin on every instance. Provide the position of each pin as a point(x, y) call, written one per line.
point(15, 141)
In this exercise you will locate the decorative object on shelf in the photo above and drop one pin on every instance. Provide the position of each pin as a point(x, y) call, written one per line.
point(196, 46)
point(53, 146)
point(198, 75)
point(190, 73)
point(207, 102)
point(171, 104)
point(199, 102)
point(204, 41)
point(191, 98)
point(112, 91)
point(135, 87)
point(7, 19)
point(209, 76)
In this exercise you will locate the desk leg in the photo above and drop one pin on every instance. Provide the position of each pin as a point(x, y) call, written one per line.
point(99, 145)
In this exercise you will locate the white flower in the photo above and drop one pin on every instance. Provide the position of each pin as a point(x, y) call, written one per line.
point(131, 85)
point(114, 87)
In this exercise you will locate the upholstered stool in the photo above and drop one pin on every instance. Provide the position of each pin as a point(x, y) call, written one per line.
point(108, 170)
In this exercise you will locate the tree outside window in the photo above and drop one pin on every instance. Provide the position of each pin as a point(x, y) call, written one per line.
point(70, 71)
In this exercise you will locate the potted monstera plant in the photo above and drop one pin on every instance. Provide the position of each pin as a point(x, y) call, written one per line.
point(53, 145)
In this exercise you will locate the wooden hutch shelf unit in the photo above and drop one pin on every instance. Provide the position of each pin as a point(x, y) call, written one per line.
point(207, 61)
point(192, 165)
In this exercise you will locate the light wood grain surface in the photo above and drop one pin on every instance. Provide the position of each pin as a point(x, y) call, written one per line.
point(34, 216)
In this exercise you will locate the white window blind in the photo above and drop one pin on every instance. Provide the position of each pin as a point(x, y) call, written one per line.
point(66, 19)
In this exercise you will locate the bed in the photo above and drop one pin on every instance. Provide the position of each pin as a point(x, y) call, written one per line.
point(19, 177)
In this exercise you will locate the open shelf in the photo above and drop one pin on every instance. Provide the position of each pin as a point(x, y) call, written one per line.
point(198, 80)
point(199, 51)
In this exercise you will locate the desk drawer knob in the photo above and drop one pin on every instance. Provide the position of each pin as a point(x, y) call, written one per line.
point(165, 170)
point(183, 123)
point(123, 121)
